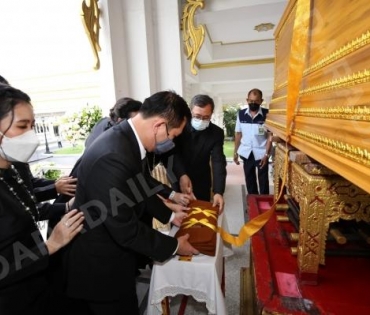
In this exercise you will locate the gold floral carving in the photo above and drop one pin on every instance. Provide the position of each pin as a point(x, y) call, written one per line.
point(343, 82)
point(193, 36)
point(90, 19)
point(354, 153)
point(322, 199)
point(357, 112)
point(343, 51)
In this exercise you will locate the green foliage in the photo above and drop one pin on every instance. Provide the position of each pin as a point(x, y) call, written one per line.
point(78, 148)
point(46, 170)
point(229, 149)
point(52, 174)
point(78, 125)
point(230, 112)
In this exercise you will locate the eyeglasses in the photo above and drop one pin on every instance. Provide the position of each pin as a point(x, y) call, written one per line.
point(200, 117)
point(167, 129)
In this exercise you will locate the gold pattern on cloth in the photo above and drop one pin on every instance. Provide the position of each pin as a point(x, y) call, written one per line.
point(159, 173)
point(204, 222)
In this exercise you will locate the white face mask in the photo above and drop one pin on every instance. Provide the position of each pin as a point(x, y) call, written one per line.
point(199, 124)
point(19, 148)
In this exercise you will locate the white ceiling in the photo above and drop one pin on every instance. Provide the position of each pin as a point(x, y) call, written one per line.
point(234, 57)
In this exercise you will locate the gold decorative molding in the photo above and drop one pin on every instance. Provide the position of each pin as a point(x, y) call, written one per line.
point(349, 151)
point(236, 63)
point(278, 111)
point(357, 112)
point(278, 99)
point(193, 36)
point(343, 82)
point(284, 84)
point(287, 16)
point(90, 19)
point(275, 124)
point(343, 51)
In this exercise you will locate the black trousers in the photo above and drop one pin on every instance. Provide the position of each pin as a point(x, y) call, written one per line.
point(252, 169)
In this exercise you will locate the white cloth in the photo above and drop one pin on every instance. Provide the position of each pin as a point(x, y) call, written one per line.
point(201, 278)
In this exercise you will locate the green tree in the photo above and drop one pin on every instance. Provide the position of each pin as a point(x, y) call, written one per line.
point(230, 112)
point(77, 126)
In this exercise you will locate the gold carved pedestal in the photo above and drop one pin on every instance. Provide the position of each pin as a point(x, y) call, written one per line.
point(323, 197)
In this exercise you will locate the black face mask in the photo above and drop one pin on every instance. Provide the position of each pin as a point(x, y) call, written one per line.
point(254, 107)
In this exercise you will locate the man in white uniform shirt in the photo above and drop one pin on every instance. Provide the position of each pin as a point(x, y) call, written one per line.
point(253, 143)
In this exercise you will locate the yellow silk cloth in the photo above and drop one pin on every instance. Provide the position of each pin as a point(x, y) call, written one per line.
point(297, 60)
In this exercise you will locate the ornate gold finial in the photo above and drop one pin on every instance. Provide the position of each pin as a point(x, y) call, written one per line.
point(90, 19)
point(193, 36)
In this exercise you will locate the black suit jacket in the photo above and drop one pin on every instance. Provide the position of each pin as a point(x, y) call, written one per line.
point(112, 192)
point(194, 152)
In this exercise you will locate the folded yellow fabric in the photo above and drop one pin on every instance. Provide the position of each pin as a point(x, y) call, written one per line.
point(201, 225)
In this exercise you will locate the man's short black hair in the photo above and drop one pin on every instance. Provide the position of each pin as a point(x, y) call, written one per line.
point(168, 105)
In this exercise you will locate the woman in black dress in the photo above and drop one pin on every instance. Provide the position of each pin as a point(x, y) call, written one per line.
point(24, 255)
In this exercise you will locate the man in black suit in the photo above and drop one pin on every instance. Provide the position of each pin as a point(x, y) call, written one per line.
point(100, 266)
point(200, 163)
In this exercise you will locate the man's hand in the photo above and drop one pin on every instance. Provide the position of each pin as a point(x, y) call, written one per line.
point(185, 248)
point(176, 207)
point(236, 159)
point(66, 185)
point(218, 200)
point(179, 216)
point(186, 186)
point(182, 199)
point(264, 161)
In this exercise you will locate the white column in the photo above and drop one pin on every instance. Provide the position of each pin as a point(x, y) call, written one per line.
point(141, 48)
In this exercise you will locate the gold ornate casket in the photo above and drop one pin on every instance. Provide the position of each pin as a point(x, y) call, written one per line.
point(321, 108)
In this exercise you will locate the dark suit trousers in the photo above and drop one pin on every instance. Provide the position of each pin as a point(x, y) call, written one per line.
point(250, 166)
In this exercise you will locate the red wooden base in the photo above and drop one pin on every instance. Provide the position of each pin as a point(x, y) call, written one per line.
point(343, 286)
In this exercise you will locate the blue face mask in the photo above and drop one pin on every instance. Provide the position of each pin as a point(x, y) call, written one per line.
point(199, 124)
point(164, 146)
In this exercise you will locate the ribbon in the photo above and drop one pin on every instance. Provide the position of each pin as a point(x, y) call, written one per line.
point(254, 225)
point(297, 61)
point(192, 221)
point(206, 212)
